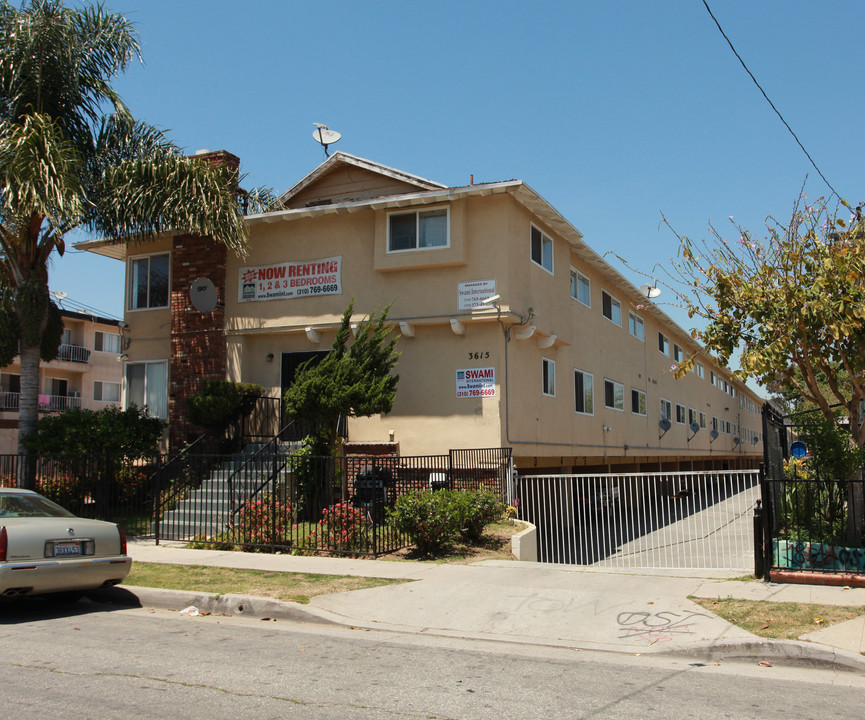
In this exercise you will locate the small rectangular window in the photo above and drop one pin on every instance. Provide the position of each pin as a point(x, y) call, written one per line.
point(703, 420)
point(106, 342)
point(148, 282)
point(700, 370)
point(418, 230)
point(611, 308)
point(583, 395)
point(680, 414)
point(638, 402)
point(542, 250)
point(692, 416)
point(549, 377)
point(636, 326)
point(666, 410)
point(678, 355)
point(580, 288)
point(106, 391)
point(614, 395)
point(663, 343)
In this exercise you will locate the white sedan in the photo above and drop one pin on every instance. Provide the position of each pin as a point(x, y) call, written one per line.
point(46, 549)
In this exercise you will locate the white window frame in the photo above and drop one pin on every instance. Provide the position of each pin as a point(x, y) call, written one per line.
point(663, 344)
point(548, 377)
point(640, 407)
point(703, 420)
point(146, 363)
point(681, 414)
point(588, 398)
point(546, 243)
point(615, 308)
point(636, 326)
point(678, 353)
point(666, 410)
point(435, 211)
point(99, 387)
point(692, 416)
point(579, 281)
point(618, 395)
point(130, 283)
point(700, 370)
point(115, 340)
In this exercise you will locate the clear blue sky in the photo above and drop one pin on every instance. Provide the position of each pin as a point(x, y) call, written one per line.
point(614, 111)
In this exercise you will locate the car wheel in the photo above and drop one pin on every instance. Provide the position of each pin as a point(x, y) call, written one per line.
point(69, 596)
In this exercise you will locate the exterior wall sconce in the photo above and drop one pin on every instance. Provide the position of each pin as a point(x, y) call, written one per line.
point(313, 335)
point(407, 329)
point(546, 342)
point(268, 357)
point(457, 327)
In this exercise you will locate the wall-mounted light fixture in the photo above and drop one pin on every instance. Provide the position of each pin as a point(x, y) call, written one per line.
point(458, 327)
point(407, 329)
point(268, 357)
point(313, 335)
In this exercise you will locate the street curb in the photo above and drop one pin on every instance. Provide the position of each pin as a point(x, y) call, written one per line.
point(214, 603)
point(781, 652)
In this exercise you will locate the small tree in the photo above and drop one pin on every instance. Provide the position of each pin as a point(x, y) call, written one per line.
point(351, 380)
point(220, 403)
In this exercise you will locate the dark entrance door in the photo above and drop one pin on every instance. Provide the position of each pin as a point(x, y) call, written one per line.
point(290, 362)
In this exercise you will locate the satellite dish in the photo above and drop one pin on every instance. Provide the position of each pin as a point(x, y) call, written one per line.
point(736, 441)
point(714, 434)
point(203, 295)
point(665, 424)
point(695, 427)
point(650, 291)
point(325, 136)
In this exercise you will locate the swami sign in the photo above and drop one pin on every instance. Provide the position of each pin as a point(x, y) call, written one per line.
point(476, 382)
point(291, 280)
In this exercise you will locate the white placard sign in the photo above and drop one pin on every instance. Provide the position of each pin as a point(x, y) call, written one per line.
point(291, 280)
point(472, 294)
point(476, 382)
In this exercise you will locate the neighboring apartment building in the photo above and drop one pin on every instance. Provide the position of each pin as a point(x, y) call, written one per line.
point(514, 332)
point(86, 373)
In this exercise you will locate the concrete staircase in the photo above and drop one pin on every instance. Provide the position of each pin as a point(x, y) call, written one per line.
point(208, 510)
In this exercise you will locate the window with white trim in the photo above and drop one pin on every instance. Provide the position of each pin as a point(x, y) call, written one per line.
point(663, 343)
point(581, 288)
point(419, 230)
point(700, 370)
point(611, 308)
point(636, 326)
point(148, 282)
point(549, 377)
point(106, 391)
point(638, 402)
point(680, 414)
point(614, 395)
point(584, 402)
point(106, 342)
point(692, 416)
point(147, 387)
point(666, 410)
point(542, 250)
point(678, 354)
point(703, 420)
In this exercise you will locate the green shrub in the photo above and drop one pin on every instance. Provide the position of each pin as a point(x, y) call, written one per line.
point(475, 509)
point(264, 522)
point(220, 402)
point(428, 518)
point(342, 528)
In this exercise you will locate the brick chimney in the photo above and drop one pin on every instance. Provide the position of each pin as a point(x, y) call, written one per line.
point(198, 347)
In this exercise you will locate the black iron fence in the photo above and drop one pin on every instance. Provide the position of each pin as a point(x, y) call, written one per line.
point(806, 523)
point(271, 497)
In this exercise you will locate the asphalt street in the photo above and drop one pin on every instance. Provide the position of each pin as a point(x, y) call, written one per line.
point(96, 661)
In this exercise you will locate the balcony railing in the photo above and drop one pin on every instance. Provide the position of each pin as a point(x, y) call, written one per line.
point(73, 353)
point(47, 403)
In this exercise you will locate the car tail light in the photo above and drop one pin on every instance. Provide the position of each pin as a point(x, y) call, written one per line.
point(4, 543)
point(122, 540)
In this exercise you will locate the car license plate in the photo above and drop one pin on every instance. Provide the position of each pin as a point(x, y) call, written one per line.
point(67, 548)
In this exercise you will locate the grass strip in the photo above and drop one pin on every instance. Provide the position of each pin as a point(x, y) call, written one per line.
point(295, 587)
point(782, 620)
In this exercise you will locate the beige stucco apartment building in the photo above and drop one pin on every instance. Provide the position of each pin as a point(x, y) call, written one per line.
point(514, 333)
point(86, 374)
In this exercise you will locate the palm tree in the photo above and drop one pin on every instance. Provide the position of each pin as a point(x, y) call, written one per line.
point(71, 156)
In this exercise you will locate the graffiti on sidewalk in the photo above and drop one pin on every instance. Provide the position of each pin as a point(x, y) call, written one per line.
point(651, 628)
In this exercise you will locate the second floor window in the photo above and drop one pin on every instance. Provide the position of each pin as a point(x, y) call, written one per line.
point(611, 308)
point(148, 283)
point(418, 230)
point(549, 377)
point(106, 342)
point(542, 250)
point(580, 287)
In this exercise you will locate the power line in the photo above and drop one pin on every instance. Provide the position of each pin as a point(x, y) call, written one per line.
point(777, 112)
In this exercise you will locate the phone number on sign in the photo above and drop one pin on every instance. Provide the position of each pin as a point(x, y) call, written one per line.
point(317, 290)
point(485, 392)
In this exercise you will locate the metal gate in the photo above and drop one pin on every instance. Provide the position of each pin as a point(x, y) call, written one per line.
point(643, 520)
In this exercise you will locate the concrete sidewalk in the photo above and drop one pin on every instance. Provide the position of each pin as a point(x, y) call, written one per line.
point(536, 603)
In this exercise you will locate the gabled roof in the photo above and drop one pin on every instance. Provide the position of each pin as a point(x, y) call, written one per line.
point(340, 159)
